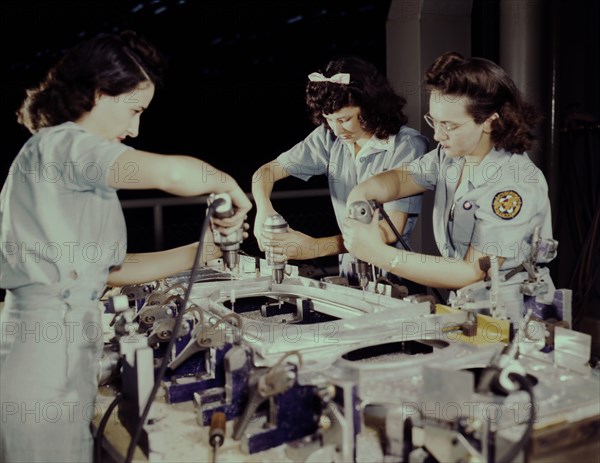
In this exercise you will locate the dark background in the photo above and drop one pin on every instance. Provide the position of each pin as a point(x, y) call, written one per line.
point(234, 96)
point(234, 90)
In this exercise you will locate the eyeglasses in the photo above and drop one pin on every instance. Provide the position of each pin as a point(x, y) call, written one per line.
point(445, 127)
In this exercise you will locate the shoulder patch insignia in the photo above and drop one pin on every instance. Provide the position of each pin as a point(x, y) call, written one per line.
point(507, 204)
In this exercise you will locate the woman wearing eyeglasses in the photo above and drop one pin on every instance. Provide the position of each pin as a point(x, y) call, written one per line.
point(489, 196)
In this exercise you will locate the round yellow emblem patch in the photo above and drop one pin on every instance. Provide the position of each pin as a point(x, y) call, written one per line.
point(507, 204)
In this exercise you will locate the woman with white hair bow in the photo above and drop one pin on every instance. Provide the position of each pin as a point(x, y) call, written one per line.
point(361, 131)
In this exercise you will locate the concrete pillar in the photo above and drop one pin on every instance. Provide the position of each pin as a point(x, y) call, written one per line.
point(417, 32)
point(522, 57)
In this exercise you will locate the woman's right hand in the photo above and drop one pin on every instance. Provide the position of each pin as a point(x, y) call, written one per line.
point(241, 205)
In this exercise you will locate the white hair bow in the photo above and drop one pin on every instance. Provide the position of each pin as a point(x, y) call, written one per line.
point(341, 78)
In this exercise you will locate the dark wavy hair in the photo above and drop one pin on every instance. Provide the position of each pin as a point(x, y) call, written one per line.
point(380, 106)
point(111, 64)
point(489, 90)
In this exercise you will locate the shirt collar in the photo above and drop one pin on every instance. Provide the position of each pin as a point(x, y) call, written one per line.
point(381, 143)
point(376, 144)
point(489, 166)
point(486, 170)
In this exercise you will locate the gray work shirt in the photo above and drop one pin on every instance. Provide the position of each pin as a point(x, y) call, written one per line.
point(59, 219)
point(495, 209)
point(322, 153)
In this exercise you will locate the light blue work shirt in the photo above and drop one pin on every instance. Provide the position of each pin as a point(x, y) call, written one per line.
point(322, 153)
point(59, 218)
point(61, 229)
point(495, 208)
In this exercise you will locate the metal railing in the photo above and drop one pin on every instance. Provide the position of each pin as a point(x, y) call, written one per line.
point(158, 204)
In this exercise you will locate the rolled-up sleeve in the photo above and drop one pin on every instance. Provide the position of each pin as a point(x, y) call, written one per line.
point(308, 157)
point(409, 149)
point(85, 160)
point(425, 170)
point(505, 219)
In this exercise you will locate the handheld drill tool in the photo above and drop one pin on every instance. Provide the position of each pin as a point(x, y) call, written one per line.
point(275, 224)
point(363, 212)
point(229, 244)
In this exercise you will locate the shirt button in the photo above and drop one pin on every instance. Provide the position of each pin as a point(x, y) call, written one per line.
point(73, 275)
point(362, 160)
point(66, 293)
point(94, 294)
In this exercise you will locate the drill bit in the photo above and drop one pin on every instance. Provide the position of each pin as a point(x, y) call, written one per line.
point(362, 211)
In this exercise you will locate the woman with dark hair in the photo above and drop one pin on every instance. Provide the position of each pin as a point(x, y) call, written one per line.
point(489, 196)
point(63, 238)
point(361, 132)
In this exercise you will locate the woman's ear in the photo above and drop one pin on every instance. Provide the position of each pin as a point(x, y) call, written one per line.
point(487, 125)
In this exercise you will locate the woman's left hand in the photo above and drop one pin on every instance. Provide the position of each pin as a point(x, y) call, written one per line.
point(231, 225)
point(292, 244)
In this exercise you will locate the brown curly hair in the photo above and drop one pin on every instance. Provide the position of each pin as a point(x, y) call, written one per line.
point(489, 90)
point(380, 106)
point(111, 64)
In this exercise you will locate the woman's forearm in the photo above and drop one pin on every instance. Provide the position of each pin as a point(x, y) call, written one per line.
point(145, 267)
